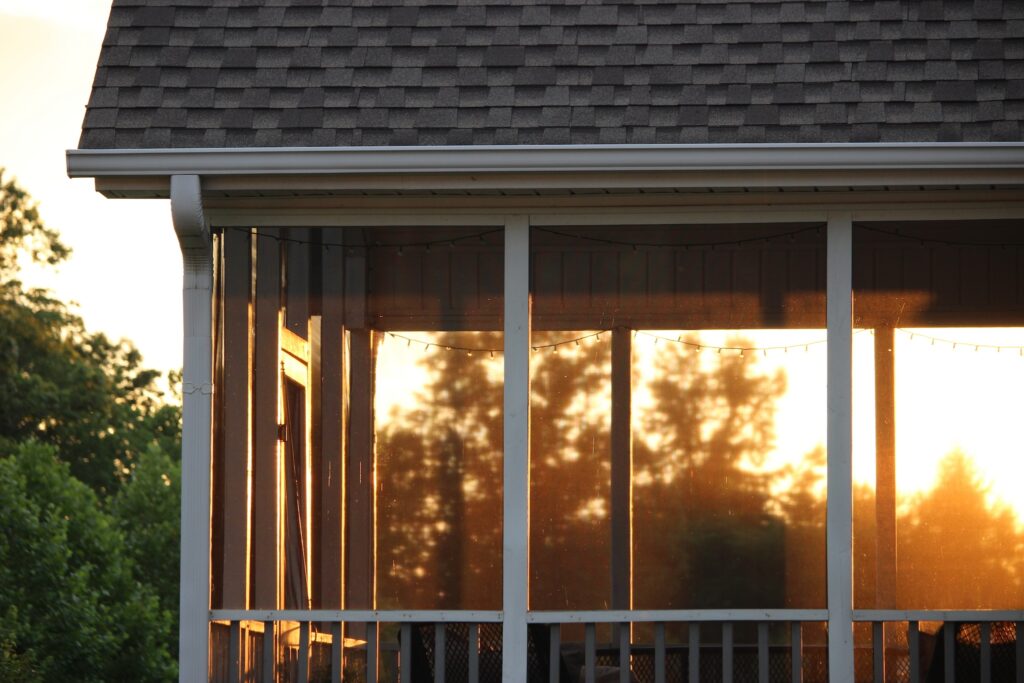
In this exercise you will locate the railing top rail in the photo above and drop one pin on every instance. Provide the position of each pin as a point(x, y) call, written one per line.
point(683, 615)
point(976, 615)
point(610, 616)
point(356, 615)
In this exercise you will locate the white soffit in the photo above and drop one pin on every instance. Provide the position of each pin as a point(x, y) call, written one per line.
point(561, 166)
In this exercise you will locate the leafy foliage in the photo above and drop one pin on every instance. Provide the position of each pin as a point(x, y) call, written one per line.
point(146, 510)
point(89, 485)
point(22, 233)
point(86, 395)
point(75, 609)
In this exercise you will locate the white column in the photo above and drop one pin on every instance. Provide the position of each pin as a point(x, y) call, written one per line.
point(197, 391)
point(839, 541)
point(516, 520)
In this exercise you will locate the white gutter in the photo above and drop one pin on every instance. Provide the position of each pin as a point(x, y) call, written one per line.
point(197, 392)
point(83, 163)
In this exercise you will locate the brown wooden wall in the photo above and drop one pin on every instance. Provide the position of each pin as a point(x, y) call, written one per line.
point(939, 274)
point(268, 286)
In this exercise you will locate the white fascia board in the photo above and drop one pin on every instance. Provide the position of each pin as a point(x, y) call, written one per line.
point(543, 159)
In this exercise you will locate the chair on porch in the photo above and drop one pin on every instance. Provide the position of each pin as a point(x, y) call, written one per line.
point(967, 654)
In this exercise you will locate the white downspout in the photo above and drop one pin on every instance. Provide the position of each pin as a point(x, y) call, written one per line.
point(197, 391)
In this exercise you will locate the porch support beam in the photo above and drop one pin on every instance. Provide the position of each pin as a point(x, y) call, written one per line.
point(516, 499)
point(839, 528)
point(621, 470)
point(360, 556)
point(360, 553)
point(235, 390)
point(333, 420)
point(197, 390)
point(885, 468)
point(266, 522)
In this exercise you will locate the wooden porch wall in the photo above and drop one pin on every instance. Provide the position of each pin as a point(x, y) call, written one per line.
point(232, 328)
point(717, 277)
point(580, 284)
point(264, 281)
point(930, 275)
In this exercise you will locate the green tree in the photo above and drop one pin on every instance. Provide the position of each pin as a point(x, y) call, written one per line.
point(88, 571)
point(74, 610)
point(146, 510)
point(60, 384)
point(22, 233)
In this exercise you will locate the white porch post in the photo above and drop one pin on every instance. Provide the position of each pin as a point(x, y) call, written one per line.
point(197, 390)
point(516, 519)
point(839, 542)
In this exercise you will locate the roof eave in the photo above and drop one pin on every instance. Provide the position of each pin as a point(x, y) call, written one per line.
point(924, 159)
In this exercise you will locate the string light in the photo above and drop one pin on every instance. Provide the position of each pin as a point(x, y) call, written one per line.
point(739, 351)
point(956, 343)
point(399, 247)
point(492, 352)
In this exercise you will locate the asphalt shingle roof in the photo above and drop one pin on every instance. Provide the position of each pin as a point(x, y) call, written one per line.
point(258, 73)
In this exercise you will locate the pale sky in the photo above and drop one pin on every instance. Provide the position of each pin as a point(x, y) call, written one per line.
point(125, 272)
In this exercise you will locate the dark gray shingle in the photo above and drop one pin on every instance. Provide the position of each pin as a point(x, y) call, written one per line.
point(176, 73)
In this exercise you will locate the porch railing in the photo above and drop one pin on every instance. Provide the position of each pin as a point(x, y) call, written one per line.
point(659, 646)
point(940, 645)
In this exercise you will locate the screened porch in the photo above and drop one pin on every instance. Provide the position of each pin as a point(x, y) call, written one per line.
point(645, 447)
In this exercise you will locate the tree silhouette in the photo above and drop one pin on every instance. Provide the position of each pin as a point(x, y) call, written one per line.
point(706, 532)
point(570, 473)
point(439, 483)
point(713, 525)
point(702, 497)
point(955, 549)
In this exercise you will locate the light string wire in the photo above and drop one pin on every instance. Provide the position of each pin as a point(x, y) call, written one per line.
point(400, 246)
point(958, 344)
point(925, 240)
point(492, 352)
point(479, 236)
point(739, 350)
point(761, 239)
point(596, 336)
point(695, 345)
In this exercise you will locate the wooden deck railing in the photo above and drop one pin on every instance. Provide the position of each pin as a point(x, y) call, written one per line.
point(657, 646)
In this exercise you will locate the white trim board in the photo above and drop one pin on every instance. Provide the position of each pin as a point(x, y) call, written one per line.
point(542, 158)
point(546, 166)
